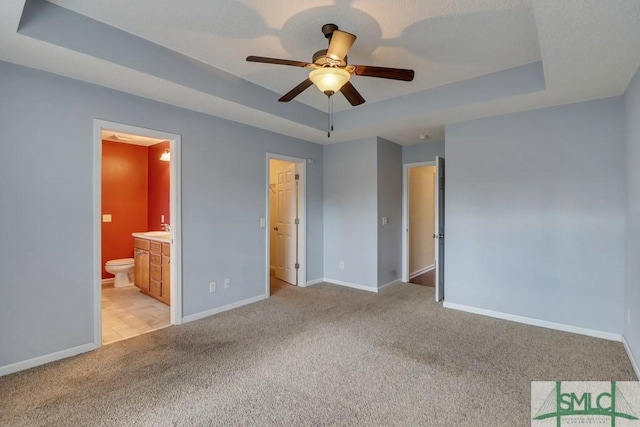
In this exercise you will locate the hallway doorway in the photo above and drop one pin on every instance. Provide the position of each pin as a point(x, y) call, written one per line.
point(421, 225)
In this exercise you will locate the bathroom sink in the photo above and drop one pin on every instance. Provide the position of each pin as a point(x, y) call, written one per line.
point(158, 234)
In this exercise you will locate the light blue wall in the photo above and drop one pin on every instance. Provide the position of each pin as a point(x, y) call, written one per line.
point(632, 279)
point(425, 152)
point(350, 212)
point(390, 206)
point(46, 180)
point(535, 214)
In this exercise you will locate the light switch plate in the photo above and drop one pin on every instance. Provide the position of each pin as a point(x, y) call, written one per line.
point(106, 218)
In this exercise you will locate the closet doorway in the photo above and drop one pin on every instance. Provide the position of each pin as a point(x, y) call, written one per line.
point(286, 223)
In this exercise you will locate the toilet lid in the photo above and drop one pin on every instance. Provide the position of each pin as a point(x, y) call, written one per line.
point(120, 261)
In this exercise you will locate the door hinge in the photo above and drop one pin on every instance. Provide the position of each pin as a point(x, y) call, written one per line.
point(297, 221)
point(297, 266)
point(297, 176)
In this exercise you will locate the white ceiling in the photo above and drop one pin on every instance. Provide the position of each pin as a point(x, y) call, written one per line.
point(588, 48)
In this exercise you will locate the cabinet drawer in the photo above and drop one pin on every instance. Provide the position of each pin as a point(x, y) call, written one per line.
point(156, 272)
point(156, 259)
point(155, 288)
point(166, 249)
point(141, 244)
point(156, 247)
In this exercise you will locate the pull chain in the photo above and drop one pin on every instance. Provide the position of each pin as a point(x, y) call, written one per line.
point(331, 99)
point(328, 117)
point(329, 113)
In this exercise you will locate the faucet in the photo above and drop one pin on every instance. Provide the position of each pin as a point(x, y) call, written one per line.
point(166, 227)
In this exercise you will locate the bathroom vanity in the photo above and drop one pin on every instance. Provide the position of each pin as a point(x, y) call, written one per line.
point(152, 264)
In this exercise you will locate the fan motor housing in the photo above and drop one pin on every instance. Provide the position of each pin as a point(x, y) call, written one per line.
point(321, 60)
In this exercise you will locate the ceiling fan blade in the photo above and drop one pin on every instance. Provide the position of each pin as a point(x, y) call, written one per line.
point(276, 61)
point(352, 95)
point(296, 91)
point(340, 44)
point(384, 73)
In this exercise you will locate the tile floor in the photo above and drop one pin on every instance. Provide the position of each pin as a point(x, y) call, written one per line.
point(126, 313)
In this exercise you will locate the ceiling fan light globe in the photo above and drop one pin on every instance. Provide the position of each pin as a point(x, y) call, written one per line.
point(329, 79)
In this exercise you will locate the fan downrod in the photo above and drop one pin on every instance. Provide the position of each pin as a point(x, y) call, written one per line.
point(328, 29)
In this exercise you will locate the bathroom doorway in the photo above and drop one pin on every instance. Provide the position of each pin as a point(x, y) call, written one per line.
point(136, 230)
point(286, 222)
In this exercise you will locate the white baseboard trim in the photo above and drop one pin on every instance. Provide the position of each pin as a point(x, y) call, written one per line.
point(393, 282)
point(351, 285)
point(47, 358)
point(313, 282)
point(422, 271)
point(207, 313)
point(536, 322)
point(630, 356)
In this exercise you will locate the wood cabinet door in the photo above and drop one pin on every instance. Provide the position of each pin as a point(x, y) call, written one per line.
point(141, 269)
point(166, 278)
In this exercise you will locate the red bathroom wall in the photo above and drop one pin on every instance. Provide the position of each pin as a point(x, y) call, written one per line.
point(159, 174)
point(124, 196)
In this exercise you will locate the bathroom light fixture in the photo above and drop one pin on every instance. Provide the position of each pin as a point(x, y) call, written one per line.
point(166, 156)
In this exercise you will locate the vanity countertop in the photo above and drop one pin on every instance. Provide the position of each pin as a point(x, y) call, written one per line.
point(158, 236)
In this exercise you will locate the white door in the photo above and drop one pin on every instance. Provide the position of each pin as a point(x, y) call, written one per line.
point(438, 236)
point(285, 225)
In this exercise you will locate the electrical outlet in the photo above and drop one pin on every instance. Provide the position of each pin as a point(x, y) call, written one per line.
point(106, 218)
point(227, 283)
point(162, 219)
point(341, 265)
point(212, 287)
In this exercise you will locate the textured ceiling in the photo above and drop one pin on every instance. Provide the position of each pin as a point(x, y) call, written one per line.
point(588, 49)
point(444, 41)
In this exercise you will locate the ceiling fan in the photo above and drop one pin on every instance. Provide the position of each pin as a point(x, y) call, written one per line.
point(331, 71)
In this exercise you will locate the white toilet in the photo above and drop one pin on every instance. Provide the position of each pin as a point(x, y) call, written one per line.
point(123, 270)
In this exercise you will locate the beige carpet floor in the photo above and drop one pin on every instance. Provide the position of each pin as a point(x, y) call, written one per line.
point(324, 355)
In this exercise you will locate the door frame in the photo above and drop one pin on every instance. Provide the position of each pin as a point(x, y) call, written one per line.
point(301, 169)
point(405, 215)
point(175, 211)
